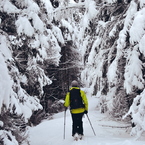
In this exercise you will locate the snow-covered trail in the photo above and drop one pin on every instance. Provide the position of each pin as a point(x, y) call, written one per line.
point(50, 132)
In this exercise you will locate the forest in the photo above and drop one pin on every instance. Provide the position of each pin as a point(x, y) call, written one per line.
point(45, 44)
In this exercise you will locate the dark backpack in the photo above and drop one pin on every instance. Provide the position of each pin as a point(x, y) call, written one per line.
point(76, 99)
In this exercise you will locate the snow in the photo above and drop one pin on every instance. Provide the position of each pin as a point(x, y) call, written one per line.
point(72, 2)
point(48, 6)
point(92, 54)
point(1, 124)
point(33, 7)
point(8, 135)
point(142, 3)
point(111, 74)
point(31, 23)
point(37, 22)
point(4, 47)
point(142, 44)
point(108, 132)
point(24, 27)
point(27, 104)
point(44, 41)
point(90, 12)
point(137, 28)
point(112, 32)
point(67, 25)
point(5, 80)
point(91, 9)
point(137, 110)
point(110, 1)
point(133, 73)
point(121, 42)
point(58, 34)
point(8, 7)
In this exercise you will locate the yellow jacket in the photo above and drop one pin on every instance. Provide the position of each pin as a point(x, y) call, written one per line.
point(84, 98)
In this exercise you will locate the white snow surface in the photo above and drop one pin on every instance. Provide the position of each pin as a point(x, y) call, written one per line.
point(108, 132)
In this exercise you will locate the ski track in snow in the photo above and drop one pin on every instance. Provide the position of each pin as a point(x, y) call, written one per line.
point(50, 132)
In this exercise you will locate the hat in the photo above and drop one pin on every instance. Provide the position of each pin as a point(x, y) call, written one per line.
point(74, 83)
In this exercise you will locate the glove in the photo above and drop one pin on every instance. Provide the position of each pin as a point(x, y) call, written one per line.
point(85, 112)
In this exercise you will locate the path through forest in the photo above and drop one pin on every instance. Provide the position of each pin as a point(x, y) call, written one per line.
point(108, 132)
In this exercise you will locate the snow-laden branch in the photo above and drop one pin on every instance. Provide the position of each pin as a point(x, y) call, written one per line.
point(136, 111)
point(133, 71)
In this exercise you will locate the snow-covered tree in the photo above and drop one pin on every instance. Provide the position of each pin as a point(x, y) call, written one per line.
point(26, 44)
point(137, 112)
point(41, 43)
point(114, 55)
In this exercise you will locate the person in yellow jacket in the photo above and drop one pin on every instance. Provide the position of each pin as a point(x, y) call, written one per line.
point(77, 101)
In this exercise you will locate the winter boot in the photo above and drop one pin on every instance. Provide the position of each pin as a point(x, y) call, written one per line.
point(80, 136)
point(76, 137)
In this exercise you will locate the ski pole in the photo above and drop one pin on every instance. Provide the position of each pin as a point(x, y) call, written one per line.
point(91, 124)
point(64, 124)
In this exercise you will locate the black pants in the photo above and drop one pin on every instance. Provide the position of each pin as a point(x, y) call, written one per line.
point(77, 123)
